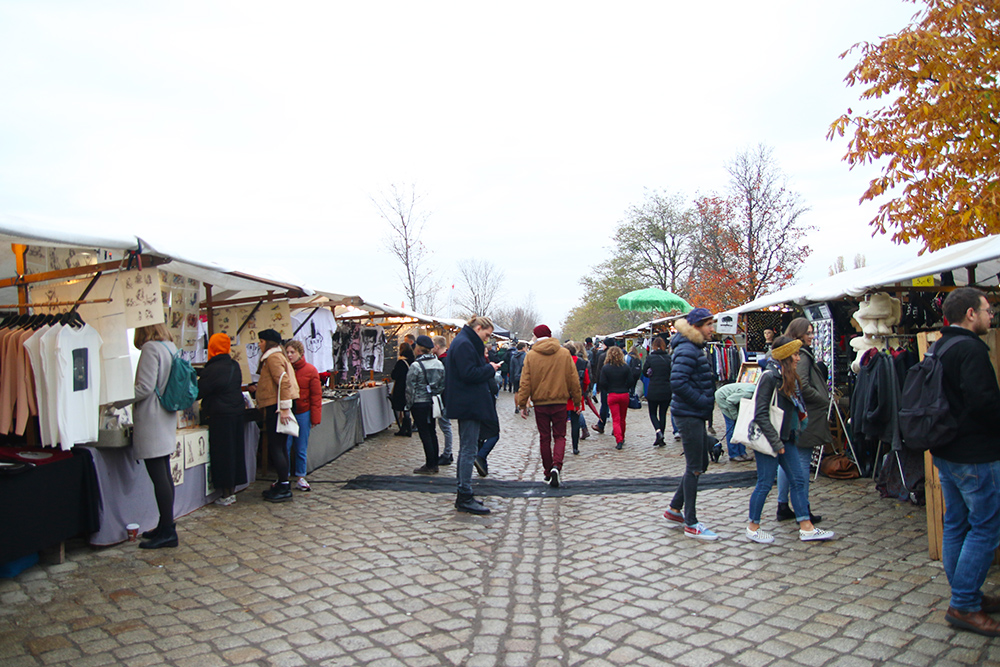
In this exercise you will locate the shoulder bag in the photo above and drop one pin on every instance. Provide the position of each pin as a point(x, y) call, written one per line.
point(746, 432)
point(292, 427)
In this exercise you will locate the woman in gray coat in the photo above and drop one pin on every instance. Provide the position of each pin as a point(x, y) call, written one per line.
point(817, 400)
point(154, 430)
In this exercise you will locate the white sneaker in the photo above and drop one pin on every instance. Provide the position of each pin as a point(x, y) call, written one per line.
point(303, 485)
point(226, 501)
point(760, 536)
point(815, 534)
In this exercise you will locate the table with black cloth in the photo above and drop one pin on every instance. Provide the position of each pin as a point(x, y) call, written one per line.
point(126, 492)
point(46, 505)
point(340, 430)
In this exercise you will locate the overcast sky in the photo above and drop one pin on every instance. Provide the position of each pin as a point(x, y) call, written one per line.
point(254, 133)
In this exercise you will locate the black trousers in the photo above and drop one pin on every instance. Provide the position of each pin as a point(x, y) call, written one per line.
point(423, 418)
point(658, 413)
point(277, 443)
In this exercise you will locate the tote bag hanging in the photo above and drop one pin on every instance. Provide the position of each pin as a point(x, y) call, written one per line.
point(292, 427)
point(746, 431)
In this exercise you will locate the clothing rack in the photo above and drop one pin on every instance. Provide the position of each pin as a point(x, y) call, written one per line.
point(52, 304)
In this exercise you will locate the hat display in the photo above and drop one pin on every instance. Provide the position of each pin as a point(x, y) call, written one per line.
point(542, 331)
point(698, 315)
point(271, 335)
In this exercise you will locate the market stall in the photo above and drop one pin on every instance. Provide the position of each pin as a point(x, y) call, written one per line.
point(894, 311)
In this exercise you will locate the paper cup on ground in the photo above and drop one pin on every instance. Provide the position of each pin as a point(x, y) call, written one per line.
point(133, 531)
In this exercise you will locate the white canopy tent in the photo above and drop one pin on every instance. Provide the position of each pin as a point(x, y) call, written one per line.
point(981, 254)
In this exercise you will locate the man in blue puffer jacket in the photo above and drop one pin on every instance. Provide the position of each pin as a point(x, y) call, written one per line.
point(693, 388)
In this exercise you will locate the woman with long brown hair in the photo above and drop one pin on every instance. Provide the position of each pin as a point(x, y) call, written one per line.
point(816, 432)
point(154, 429)
point(781, 379)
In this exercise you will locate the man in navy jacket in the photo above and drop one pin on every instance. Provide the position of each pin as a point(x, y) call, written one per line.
point(468, 399)
point(693, 400)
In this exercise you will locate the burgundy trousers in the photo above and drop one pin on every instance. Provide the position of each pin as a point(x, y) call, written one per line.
point(551, 422)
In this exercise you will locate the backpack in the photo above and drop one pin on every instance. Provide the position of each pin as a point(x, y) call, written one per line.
point(926, 420)
point(182, 385)
point(581, 371)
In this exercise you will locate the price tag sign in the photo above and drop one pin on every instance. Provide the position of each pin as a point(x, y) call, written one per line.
point(926, 281)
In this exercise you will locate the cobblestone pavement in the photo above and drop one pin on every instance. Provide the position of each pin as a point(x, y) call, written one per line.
point(343, 577)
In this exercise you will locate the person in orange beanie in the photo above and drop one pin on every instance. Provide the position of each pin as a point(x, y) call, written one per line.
point(220, 390)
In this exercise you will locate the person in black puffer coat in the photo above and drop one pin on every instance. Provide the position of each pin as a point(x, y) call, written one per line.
point(692, 403)
point(657, 368)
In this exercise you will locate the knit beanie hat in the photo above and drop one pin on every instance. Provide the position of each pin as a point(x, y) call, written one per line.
point(218, 344)
point(271, 335)
point(542, 331)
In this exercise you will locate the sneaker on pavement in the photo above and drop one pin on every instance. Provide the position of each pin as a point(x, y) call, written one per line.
point(700, 531)
point(815, 534)
point(226, 501)
point(303, 485)
point(446, 460)
point(554, 478)
point(675, 517)
point(760, 536)
point(425, 470)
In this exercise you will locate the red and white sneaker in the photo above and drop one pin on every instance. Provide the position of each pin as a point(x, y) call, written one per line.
point(674, 517)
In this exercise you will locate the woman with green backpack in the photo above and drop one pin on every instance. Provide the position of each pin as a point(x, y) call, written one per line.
point(154, 430)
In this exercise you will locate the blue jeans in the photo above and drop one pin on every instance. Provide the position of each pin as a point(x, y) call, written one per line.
point(301, 443)
point(767, 469)
point(673, 423)
point(445, 425)
point(487, 447)
point(971, 527)
point(736, 449)
point(468, 445)
point(805, 460)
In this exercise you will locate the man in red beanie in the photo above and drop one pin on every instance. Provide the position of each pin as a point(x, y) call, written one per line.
point(549, 379)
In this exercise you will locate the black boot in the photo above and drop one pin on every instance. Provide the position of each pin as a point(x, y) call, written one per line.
point(465, 502)
point(167, 537)
point(659, 440)
point(278, 493)
point(150, 534)
point(815, 518)
point(785, 512)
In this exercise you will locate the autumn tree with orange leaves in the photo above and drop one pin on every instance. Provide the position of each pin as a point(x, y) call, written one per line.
point(938, 135)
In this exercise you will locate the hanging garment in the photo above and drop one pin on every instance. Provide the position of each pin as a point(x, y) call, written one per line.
point(316, 336)
point(33, 347)
point(77, 372)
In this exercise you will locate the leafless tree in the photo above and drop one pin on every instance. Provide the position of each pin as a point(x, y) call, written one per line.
point(399, 205)
point(769, 220)
point(481, 283)
point(520, 319)
point(839, 266)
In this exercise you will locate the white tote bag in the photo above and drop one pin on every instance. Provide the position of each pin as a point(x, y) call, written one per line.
point(746, 431)
point(292, 427)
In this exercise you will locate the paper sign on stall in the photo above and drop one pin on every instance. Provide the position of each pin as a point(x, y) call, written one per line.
point(196, 448)
point(143, 299)
point(177, 460)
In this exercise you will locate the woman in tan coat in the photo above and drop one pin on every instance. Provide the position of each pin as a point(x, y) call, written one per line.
point(276, 374)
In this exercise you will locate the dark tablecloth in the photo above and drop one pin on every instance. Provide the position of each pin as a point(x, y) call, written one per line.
point(46, 505)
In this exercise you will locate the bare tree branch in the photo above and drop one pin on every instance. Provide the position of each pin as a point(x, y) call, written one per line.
point(481, 284)
point(399, 206)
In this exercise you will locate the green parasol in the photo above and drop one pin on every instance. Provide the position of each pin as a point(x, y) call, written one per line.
point(652, 298)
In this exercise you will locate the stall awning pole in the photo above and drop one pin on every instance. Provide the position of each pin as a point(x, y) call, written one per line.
point(22, 290)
